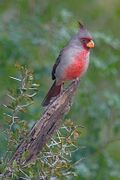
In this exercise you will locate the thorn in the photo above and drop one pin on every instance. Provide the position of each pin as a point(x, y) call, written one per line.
point(17, 79)
point(33, 88)
point(35, 85)
point(7, 115)
point(32, 95)
point(5, 105)
point(15, 117)
point(11, 96)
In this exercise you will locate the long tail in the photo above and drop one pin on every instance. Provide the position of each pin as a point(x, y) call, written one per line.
point(53, 92)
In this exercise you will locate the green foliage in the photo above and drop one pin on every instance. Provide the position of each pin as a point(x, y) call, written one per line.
point(33, 33)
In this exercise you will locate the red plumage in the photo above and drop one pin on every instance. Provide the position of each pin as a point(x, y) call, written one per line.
point(78, 67)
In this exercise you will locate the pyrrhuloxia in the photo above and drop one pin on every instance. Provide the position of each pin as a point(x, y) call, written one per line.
point(71, 63)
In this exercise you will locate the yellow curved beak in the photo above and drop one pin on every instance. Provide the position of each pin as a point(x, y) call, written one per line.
point(90, 44)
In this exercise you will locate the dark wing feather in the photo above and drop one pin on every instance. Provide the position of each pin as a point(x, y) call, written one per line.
point(55, 65)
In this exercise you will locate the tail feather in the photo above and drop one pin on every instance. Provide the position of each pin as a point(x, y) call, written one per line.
point(53, 92)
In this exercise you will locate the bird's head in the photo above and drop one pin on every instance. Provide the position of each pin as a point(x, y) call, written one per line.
point(84, 37)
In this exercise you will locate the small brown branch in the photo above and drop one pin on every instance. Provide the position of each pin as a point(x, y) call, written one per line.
point(44, 129)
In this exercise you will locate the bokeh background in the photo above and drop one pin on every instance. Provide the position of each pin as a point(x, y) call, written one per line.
point(32, 32)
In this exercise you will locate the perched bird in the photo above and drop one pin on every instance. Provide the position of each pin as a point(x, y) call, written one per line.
point(71, 63)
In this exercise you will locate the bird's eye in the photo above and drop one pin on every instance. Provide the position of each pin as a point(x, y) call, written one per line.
point(83, 40)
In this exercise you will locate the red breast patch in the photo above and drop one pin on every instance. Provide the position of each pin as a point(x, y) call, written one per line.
point(78, 67)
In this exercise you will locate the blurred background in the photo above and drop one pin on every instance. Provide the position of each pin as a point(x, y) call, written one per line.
point(32, 33)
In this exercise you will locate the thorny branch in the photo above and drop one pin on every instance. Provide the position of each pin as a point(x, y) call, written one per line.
point(44, 129)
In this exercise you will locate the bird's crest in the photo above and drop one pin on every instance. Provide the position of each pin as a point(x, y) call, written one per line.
point(83, 31)
point(80, 24)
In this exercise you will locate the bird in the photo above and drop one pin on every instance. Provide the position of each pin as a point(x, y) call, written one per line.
point(72, 62)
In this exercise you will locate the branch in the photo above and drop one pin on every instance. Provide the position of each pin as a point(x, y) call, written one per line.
point(44, 129)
